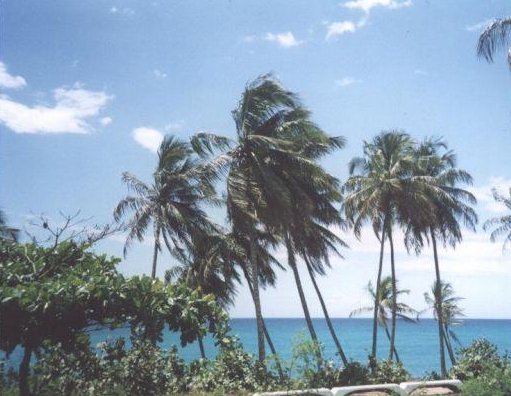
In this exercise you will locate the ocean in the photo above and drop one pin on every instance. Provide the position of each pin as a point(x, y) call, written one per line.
point(417, 344)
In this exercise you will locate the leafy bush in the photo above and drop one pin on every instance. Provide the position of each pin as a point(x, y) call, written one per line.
point(478, 358)
point(493, 382)
point(233, 370)
point(389, 371)
point(431, 376)
point(144, 369)
point(354, 373)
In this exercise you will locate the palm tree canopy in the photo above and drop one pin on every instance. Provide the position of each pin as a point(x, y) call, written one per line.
point(403, 311)
point(501, 225)
point(450, 309)
point(274, 135)
point(494, 36)
point(207, 266)
point(436, 177)
point(379, 184)
point(172, 200)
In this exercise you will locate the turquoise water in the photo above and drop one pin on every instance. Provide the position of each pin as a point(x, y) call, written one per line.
point(417, 344)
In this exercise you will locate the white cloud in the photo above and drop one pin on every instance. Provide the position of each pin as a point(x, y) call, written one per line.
point(477, 27)
point(159, 74)
point(174, 126)
point(339, 28)
point(73, 109)
point(123, 11)
point(148, 138)
point(420, 72)
point(106, 121)
point(367, 5)
point(485, 197)
point(283, 39)
point(347, 81)
point(9, 81)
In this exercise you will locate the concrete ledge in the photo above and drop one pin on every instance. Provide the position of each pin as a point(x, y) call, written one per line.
point(309, 392)
point(404, 389)
point(348, 390)
point(409, 387)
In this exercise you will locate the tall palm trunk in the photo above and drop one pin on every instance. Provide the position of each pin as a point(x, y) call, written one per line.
point(292, 263)
point(156, 248)
point(447, 340)
point(377, 296)
point(394, 297)
point(254, 274)
point(266, 332)
point(388, 337)
point(24, 372)
point(325, 312)
point(201, 347)
point(438, 303)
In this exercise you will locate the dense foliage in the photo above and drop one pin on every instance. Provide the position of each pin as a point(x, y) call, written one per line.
point(52, 295)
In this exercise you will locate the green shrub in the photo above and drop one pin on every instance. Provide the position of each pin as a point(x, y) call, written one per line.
point(354, 373)
point(232, 371)
point(495, 381)
point(478, 358)
point(389, 371)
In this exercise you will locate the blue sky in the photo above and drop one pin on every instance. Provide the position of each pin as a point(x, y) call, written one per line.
point(88, 88)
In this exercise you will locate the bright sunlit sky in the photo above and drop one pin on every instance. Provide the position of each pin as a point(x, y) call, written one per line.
point(89, 87)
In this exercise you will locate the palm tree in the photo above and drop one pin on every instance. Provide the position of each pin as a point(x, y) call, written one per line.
point(445, 308)
point(494, 36)
point(6, 231)
point(320, 241)
point(313, 193)
point(171, 203)
point(379, 190)
point(501, 225)
point(439, 180)
point(257, 197)
point(385, 301)
point(207, 266)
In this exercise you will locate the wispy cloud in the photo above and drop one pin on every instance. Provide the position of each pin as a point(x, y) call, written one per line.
point(72, 112)
point(148, 138)
point(368, 5)
point(286, 39)
point(159, 74)
point(484, 194)
point(9, 81)
point(339, 28)
point(477, 27)
point(122, 11)
point(347, 81)
point(175, 126)
point(106, 121)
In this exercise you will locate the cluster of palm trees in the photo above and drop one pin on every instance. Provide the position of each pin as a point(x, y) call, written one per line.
point(277, 194)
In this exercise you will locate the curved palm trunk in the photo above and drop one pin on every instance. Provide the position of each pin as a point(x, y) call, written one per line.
point(308, 320)
point(388, 337)
point(394, 298)
point(201, 347)
point(325, 312)
point(447, 340)
point(439, 308)
point(266, 332)
point(24, 372)
point(377, 298)
point(254, 272)
point(156, 249)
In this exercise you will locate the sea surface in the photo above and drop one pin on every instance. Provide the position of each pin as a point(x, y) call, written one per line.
point(417, 344)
